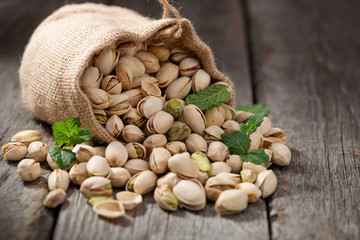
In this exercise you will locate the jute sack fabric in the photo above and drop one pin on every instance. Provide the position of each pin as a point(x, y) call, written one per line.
point(62, 45)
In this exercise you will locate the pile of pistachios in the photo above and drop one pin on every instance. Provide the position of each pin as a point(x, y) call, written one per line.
point(164, 145)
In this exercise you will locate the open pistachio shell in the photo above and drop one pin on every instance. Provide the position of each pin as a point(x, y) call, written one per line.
point(267, 182)
point(195, 118)
point(130, 200)
point(93, 200)
point(165, 198)
point(96, 186)
point(26, 137)
point(190, 194)
point(215, 185)
point(109, 208)
point(281, 154)
point(251, 190)
point(231, 201)
point(78, 173)
point(144, 78)
point(167, 74)
point(14, 151)
point(150, 89)
point(142, 182)
point(274, 132)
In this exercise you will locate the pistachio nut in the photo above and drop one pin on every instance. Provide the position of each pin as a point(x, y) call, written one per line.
point(174, 107)
point(153, 141)
point(179, 88)
point(93, 200)
point(111, 84)
point(188, 66)
point(26, 137)
point(96, 186)
point(106, 60)
point(215, 185)
point(135, 166)
point(202, 177)
point(165, 198)
point(142, 182)
point(160, 122)
point(78, 173)
point(109, 209)
point(132, 133)
point(170, 179)
point(230, 126)
point(100, 150)
point(179, 131)
point(124, 77)
point(58, 179)
point(215, 116)
point(281, 154)
point(177, 55)
point(118, 105)
point(235, 178)
point(136, 150)
point(134, 118)
point(51, 162)
point(150, 61)
point(230, 113)
point(235, 163)
point(130, 200)
point(231, 201)
point(242, 116)
point(91, 78)
point(194, 143)
point(119, 176)
point(99, 99)
point(167, 74)
point(149, 105)
point(84, 152)
point(256, 140)
point(136, 66)
point(200, 80)
point(28, 169)
point(128, 49)
point(274, 132)
point(116, 154)
point(195, 118)
point(219, 167)
point(150, 89)
point(100, 115)
point(267, 182)
point(158, 160)
point(183, 166)
point(55, 198)
point(190, 194)
point(114, 126)
point(251, 190)
point(265, 126)
point(255, 167)
point(145, 78)
point(98, 166)
point(133, 96)
point(176, 147)
point(14, 151)
point(217, 151)
point(213, 133)
point(201, 161)
point(161, 52)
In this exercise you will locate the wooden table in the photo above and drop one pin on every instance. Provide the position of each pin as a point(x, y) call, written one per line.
point(300, 58)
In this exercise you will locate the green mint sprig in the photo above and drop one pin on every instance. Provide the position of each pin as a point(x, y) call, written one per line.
point(67, 134)
point(256, 108)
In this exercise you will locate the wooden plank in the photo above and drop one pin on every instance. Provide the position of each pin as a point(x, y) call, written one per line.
point(306, 66)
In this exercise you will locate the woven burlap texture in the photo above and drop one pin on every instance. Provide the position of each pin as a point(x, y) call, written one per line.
point(60, 48)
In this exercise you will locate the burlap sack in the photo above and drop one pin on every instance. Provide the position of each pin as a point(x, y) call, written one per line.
point(62, 45)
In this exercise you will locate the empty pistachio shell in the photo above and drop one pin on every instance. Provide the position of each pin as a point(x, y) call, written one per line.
point(150, 89)
point(190, 194)
point(194, 143)
point(111, 85)
point(78, 173)
point(109, 208)
point(130, 200)
point(200, 80)
point(215, 185)
point(116, 154)
point(248, 175)
point(136, 66)
point(26, 137)
point(179, 131)
point(135, 166)
point(98, 166)
point(183, 166)
point(230, 126)
point(267, 182)
point(177, 54)
point(235, 163)
point(58, 179)
point(176, 147)
point(195, 118)
point(145, 78)
point(218, 167)
point(91, 78)
point(132, 133)
point(142, 182)
point(134, 118)
point(189, 66)
point(149, 105)
point(28, 169)
point(251, 190)
point(99, 99)
point(217, 151)
point(213, 133)
point(175, 107)
point(235, 178)
point(242, 116)
point(255, 167)
point(119, 176)
point(94, 200)
point(179, 88)
point(165, 198)
point(84, 152)
point(167, 74)
point(128, 49)
point(153, 141)
point(133, 96)
point(136, 150)
point(118, 105)
point(96, 186)
point(55, 198)
point(265, 126)
point(231, 201)
point(171, 179)
point(150, 61)
point(158, 160)
point(281, 154)
point(114, 126)
point(201, 161)
point(106, 60)
point(215, 116)
point(14, 151)
point(100, 115)
point(256, 140)
point(161, 52)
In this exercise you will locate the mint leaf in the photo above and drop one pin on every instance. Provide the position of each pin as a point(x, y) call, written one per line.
point(63, 157)
point(256, 108)
point(237, 142)
point(209, 97)
point(257, 156)
point(253, 122)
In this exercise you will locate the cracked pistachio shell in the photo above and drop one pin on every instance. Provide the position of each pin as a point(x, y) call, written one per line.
point(201, 161)
point(145, 78)
point(179, 88)
point(217, 151)
point(114, 126)
point(135, 166)
point(231, 201)
point(202, 177)
point(179, 131)
point(149, 105)
point(161, 52)
point(188, 66)
point(158, 160)
point(99, 99)
point(216, 185)
point(256, 140)
point(175, 107)
point(265, 126)
point(26, 137)
point(235, 163)
point(14, 151)
point(84, 152)
point(91, 78)
point(136, 150)
point(213, 133)
point(183, 166)
point(200, 80)
point(195, 118)
point(255, 167)
point(128, 49)
point(160, 122)
point(93, 200)
point(219, 167)
point(58, 179)
point(153, 141)
point(136, 66)
point(231, 126)
point(269, 153)
point(150, 89)
point(177, 54)
point(116, 154)
point(109, 208)
point(267, 182)
point(248, 175)
point(235, 178)
point(190, 194)
point(215, 116)
point(194, 143)
point(100, 115)
point(28, 169)
point(171, 179)
point(106, 60)
point(176, 147)
point(96, 186)
point(119, 176)
point(165, 198)
point(242, 116)
point(98, 166)
point(125, 76)
point(111, 85)
point(130, 200)
point(55, 198)
point(118, 105)
point(134, 118)
point(274, 132)
point(132, 133)
point(150, 61)
point(167, 74)
point(281, 154)
point(251, 190)
point(78, 173)
point(142, 182)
